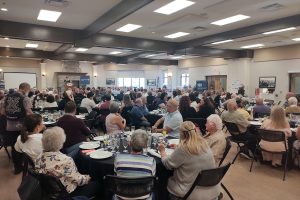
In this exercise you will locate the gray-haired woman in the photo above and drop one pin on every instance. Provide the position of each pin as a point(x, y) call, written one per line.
point(54, 163)
point(114, 122)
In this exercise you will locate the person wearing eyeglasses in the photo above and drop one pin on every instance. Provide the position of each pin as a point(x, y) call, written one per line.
point(191, 156)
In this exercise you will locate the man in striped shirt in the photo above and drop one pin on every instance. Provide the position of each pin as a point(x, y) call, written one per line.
point(136, 164)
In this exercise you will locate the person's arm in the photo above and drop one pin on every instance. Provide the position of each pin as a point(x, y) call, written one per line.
point(121, 122)
point(158, 122)
point(84, 129)
point(17, 145)
point(74, 176)
point(298, 133)
point(27, 105)
point(175, 160)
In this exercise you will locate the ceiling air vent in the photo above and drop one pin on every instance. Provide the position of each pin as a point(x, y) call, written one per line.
point(57, 3)
point(199, 28)
point(272, 7)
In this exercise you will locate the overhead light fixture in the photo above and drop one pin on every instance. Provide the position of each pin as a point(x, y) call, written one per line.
point(223, 41)
point(129, 27)
point(280, 30)
point(30, 45)
point(81, 49)
point(48, 15)
point(177, 57)
point(177, 35)
point(6, 38)
point(4, 9)
point(7, 46)
point(296, 39)
point(252, 46)
point(115, 52)
point(151, 55)
point(174, 6)
point(230, 20)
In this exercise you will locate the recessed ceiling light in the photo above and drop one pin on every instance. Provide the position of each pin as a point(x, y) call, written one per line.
point(129, 27)
point(174, 6)
point(81, 49)
point(4, 9)
point(252, 46)
point(7, 56)
point(6, 38)
point(176, 35)
point(296, 39)
point(280, 30)
point(48, 15)
point(30, 45)
point(151, 55)
point(7, 46)
point(230, 20)
point(223, 41)
point(115, 52)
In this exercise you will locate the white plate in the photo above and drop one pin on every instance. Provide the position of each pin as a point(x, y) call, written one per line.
point(47, 123)
point(255, 123)
point(100, 154)
point(99, 138)
point(173, 141)
point(89, 145)
point(80, 116)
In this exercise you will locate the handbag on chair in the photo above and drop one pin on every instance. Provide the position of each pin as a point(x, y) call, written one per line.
point(30, 187)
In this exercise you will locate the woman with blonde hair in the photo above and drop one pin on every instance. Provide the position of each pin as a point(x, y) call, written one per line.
point(191, 156)
point(276, 122)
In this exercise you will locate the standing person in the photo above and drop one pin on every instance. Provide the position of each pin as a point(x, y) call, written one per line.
point(190, 157)
point(16, 107)
point(30, 140)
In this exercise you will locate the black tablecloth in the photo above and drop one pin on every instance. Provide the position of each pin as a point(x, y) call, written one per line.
point(99, 168)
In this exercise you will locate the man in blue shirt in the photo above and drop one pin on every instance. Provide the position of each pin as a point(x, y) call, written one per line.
point(138, 114)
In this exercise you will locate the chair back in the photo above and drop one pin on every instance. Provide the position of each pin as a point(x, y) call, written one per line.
point(199, 122)
point(82, 110)
point(232, 128)
point(271, 135)
point(227, 149)
point(209, 178)
point(28, 163)
point(261, 115)
point(51, 109)
point(130, 187)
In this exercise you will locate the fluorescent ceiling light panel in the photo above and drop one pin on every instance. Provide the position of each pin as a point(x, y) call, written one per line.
point(296, 39)
point(252, 46)
point(174, 6)
point(221, 42)
point(176, 35)
point(6, 38)
point(177, 57)
point(30, 45)
point(280, 30)
point(151, 55)
point(129, 27)
point(81, 49)
point(115, 52)
point(4, 9)
point(47, 15)
point(230, 20)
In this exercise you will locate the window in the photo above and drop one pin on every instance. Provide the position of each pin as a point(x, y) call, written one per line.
point(165, 78)
point(131, 82)
point(185, 80)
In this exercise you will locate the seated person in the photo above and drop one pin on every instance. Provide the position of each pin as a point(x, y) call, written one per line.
point(206, 108)
point(75, 129)
point(185, 108)
point(136, 164)
point(138, 113)
point(50, 102)
point(105, 104)
point(233, 116)
point(67, 96)
point(114, 122)
point(54, 163)
point(293, 106)
point(30, 140)
point(88, 102)
point(171, 121)
point(191, 156)
point(278, 122)
point(215, 136)
point(241, 109)
point(260, 107)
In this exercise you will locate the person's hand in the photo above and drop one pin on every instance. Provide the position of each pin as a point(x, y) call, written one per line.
point(161, 147)
point(173, 146)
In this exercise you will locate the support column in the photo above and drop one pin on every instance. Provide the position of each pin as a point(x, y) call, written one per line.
point(95, 76)
point(43, 76)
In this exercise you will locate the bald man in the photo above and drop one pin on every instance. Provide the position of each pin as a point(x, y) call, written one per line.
point(172, 120)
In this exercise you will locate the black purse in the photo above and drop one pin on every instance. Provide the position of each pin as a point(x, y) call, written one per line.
point(30, 187)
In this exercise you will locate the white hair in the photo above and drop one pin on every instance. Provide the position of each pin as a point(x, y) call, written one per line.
point(53, 139)
point(292, 101)
point(138, 140)
point(214, 118)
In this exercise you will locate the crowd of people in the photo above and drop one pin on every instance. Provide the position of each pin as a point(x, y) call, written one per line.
point(55, 150)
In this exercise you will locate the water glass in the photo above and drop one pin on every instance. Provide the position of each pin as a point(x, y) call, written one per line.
point(132, 128)
point(105, 141)
point(118, 143)
point(125, 144)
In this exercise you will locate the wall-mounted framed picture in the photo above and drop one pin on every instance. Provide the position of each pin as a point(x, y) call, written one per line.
point(267, 82)
point(110, 81)
point(151, 82)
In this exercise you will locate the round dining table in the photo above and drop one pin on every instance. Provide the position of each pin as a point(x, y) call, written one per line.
point(98, 168)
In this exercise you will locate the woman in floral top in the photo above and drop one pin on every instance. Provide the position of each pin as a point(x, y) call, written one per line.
point(53, 162)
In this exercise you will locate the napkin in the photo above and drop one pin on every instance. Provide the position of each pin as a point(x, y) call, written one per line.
point(88, 151)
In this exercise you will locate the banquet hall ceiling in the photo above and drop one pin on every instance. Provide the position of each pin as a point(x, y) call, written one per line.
point(93, 25)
